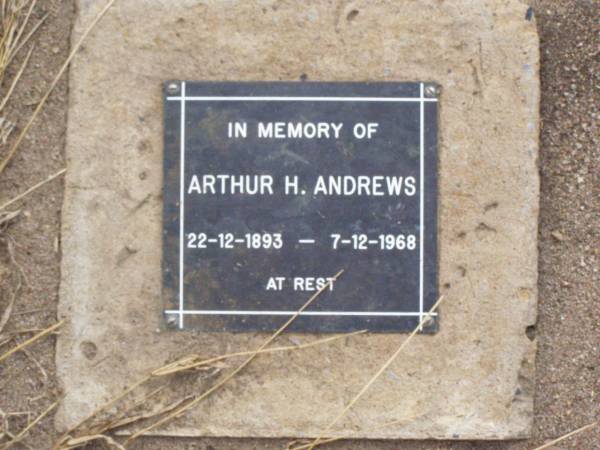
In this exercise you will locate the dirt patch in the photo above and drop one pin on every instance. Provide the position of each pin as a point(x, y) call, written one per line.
point(568, 360)
point(27, 380)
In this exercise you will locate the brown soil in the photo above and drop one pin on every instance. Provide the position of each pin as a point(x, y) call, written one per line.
point(568, 330)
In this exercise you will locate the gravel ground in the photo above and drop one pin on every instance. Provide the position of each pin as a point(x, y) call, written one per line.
point(568, 329)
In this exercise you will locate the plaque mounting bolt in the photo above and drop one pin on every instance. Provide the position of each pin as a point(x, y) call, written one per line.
point(431, 91)
point(171, 321)
point(172, 88)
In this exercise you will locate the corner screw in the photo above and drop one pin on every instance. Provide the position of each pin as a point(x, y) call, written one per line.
point(171, 321)
point(427, 321)
point(431, 91)
point(173, 88)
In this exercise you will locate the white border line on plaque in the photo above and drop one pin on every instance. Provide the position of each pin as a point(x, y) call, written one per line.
point(421, 200)
point(182, 204)
point(225, 312)
point(421, 99)
point(303, 99)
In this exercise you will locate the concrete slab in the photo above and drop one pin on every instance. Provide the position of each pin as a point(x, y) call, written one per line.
point(472, 380)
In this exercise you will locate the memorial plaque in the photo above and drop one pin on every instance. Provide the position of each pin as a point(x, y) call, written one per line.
point(270, 189)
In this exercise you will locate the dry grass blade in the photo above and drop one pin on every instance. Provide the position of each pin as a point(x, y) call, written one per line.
point(13, 24)
point(6, 129)
point(39, 366)
point(32, 188)
point(98, 434)
point(194, 361)
point(27, 37)
point(26, 430)
point(25, 130)
point(241, 367)
point(31, 340)
point(167, 409)
point(24, 330)
point(566, 436)
point(84, 440)
point(16, 79)
point(377, 374)
point(11, 303)
point(11, 253)
point(61, 441)
point(93, 433)
point(125, 419)
point(7, 216)
point(294, 446)
point(20, 275)
point(182, 364)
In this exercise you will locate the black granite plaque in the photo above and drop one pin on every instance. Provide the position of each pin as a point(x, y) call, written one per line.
point(272, 188)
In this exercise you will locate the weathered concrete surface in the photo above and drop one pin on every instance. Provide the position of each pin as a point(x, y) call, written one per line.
point(471, 380)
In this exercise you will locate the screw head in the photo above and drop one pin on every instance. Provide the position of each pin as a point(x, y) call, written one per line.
point(173, 88)
point(171, 321)
point(427, 321)
point(431, 91)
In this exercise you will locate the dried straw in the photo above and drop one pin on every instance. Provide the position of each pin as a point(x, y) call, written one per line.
point(31, 340)
point(26, 430)
point(566, 436)
point(60, 73)
point(232, 374)
point(16, 79)
point(32, 188)
point(186, 363)
point(377, 374)
point(192, 362)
